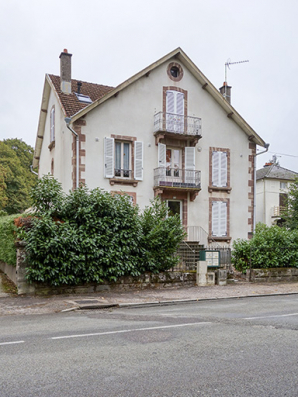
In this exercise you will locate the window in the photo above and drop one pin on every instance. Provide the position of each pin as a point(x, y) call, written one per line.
point(83, 98)
point(283, 185)
point(52, 124)
point(123, 159)
point(175, 111)
point(175, 71)
point(173, 161)
point(219, 170)
point(219, 218)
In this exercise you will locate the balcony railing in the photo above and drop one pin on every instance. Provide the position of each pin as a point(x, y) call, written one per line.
point(277, 211)
point(177, 124)
point(177, 178)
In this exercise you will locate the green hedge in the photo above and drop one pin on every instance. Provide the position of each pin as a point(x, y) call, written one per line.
point(7, 239)
point(270, 247)
point(91, 236)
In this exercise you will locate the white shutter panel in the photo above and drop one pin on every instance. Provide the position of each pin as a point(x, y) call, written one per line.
point(138, 161)
point(223, 169)
point(215, 168)
point(190, 165)
point(215, 218)
point(109, 157)
point(179, 127)
point(162, 149)
point(170, 110)
point(222, 219)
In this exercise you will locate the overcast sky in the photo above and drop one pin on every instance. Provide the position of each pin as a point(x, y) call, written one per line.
point(111, 40)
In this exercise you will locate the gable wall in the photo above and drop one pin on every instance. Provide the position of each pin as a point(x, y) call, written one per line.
point(131, 113)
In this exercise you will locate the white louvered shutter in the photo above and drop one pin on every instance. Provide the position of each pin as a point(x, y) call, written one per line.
point(138, 161)
point(219, 218)
point(170, 110)
point(162, 149)
point(223, 169)
point(190, 165)
point(179, 126)
point(223, 219)
point(109, 157)
point(215, 168)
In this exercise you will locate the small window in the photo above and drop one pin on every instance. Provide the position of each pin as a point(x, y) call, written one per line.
point(83, 98)
point(174, 71)
point(52, 124)
point(283, 185)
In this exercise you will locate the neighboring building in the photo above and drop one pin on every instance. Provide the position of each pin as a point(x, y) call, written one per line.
point(167, 131)
point(272, 188)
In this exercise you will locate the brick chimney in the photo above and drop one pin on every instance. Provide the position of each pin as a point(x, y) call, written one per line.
point(65, 72)
point(225, 91)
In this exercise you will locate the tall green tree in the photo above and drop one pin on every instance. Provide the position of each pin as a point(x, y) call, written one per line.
point(291, 213)
point(16, 179)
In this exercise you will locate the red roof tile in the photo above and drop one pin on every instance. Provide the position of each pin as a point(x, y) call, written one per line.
point(70, 102)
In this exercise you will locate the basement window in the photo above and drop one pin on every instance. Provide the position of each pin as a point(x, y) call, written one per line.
point(83, 98)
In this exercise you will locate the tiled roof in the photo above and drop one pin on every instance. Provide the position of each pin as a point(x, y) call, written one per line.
point(276, 172)
point(70, 102)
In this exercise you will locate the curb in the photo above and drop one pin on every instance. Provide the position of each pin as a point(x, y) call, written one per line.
point(169, 302)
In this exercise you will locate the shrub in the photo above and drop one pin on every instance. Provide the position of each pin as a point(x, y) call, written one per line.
point(91, 236)
point(7, 239)
point(270, 247)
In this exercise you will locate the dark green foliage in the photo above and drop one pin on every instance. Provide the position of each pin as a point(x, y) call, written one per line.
point(270, 247)
point(161, 236)
point(91, 236)
point(7, 239)
point(16, 179)
point(291, 213)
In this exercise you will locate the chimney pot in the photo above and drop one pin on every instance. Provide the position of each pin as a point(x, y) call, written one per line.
point(225, 91)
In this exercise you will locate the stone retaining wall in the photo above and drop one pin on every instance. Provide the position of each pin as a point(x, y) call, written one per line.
point(162, 280)
point(272, 275)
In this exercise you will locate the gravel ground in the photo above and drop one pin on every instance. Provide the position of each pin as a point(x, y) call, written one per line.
point(11, 304)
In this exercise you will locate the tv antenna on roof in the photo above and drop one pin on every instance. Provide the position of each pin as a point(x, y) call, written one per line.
point(227, 65)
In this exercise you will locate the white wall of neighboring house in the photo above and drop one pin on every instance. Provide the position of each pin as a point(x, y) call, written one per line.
point(267, 199)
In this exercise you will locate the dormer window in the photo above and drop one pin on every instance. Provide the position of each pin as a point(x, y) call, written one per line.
point(83, 98)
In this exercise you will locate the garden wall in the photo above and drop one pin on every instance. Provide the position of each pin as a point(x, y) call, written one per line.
point(277, 274)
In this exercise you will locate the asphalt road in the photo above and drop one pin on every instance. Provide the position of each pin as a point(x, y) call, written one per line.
point(234, 347)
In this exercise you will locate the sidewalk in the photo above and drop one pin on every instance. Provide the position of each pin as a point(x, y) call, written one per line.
point(13, 304)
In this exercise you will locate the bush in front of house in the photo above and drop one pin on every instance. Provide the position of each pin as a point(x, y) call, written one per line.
point(92, 236)
point(270, 247)
point(7, 239)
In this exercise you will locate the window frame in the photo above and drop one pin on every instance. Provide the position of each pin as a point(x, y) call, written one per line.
point(212, 187)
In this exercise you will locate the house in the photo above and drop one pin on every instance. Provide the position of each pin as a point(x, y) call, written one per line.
point(166, 131)
point(272, 186)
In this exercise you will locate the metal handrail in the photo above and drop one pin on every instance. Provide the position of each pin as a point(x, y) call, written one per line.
point(176, 177)
point(178, 124)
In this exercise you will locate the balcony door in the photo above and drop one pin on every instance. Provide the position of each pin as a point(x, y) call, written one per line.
point(175, 112)
point(173, 164)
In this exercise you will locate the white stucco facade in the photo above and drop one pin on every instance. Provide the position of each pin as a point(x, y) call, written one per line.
point(128, 116)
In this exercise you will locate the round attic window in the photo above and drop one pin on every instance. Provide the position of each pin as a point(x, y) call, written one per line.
point(175, 71)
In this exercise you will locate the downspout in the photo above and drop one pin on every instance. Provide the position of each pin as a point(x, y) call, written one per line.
point(68, 121)
point(33, 172)
point(255, 182)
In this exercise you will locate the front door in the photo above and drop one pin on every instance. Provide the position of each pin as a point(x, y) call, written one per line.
point(175, 207)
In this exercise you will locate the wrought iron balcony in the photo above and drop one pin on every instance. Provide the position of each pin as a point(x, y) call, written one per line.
point(177, 124)
point(177, 178)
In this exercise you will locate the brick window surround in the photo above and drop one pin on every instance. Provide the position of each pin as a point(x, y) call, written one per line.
point(126, 181)
point(215, 238)
point(180, 71)
point(227, 188)
point(164, 96)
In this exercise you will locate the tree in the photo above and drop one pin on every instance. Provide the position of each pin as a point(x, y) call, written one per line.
point(291, 213)
point(16, 180)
